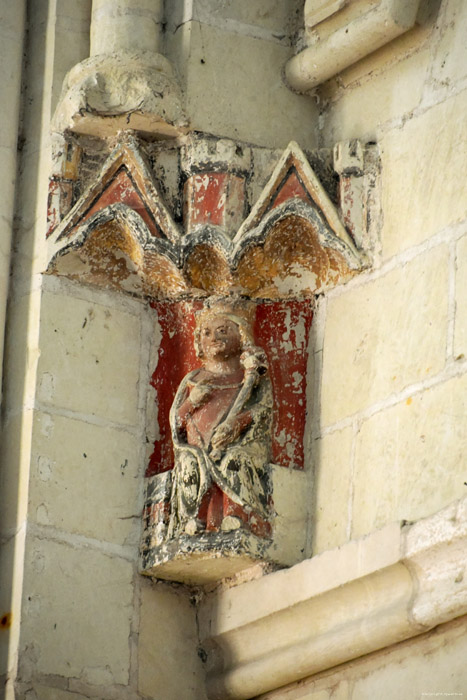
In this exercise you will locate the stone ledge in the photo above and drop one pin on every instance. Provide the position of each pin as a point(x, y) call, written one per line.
point(342, 35)
point(366, 595)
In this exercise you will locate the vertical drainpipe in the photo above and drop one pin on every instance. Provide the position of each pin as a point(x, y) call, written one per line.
point(12, 30)
point(126, 25)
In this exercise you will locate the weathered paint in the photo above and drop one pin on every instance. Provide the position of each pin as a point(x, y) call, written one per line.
point(292, 186)
point(214, 198)
point(282, 329)
point(292, 245)
point(123, 189)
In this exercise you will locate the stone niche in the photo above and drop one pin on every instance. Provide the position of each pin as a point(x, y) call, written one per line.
point(172, 224)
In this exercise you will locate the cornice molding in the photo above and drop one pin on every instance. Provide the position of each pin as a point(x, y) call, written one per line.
point(390, 586)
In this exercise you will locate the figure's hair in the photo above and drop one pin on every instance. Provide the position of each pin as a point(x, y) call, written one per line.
point(243, 328)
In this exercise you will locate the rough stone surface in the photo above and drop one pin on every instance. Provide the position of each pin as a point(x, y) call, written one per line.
point(395, 334)
point(44, 692)
point(358, 115)
point(414, 209)
point(332, 481)
point(176, 672)
point(73, 594)
point(89, 358)
point(419, 443)
point(292, 505)
point(85, 479)
point(263, 111)
point(460, 328)
point(449, 65)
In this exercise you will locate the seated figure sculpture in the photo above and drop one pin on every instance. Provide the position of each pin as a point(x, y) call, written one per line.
point(221, 430)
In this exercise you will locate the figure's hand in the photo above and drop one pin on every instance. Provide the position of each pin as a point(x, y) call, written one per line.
point(225, 434)
point(254, 359)
point(200, 394)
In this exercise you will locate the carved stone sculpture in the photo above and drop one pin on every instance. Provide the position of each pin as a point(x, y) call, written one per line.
point(221, 430)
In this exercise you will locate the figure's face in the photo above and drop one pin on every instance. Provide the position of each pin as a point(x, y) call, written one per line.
point(220, 338)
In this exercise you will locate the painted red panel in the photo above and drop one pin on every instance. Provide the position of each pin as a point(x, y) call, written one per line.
point(206, 194)
point(292, 187)
point(282, 328)
point(177, 357)
point(122, 190)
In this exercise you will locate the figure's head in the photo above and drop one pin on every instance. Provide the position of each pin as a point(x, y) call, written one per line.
point(220, 335)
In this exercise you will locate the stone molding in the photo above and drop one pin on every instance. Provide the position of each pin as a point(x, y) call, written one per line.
point(340, 34)
point(392, 585)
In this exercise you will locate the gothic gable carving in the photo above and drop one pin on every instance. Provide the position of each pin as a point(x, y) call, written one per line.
point(120, 234)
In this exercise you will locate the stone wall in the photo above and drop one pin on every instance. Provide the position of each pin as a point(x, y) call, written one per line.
point(389, 420)
point(392, 433)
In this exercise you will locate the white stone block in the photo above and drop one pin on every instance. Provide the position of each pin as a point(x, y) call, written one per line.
point(421, 192)
point(89, 358)
point(364, 107)
point(169, 665)
point(292, 496)
point(330, 514)
point(85, 479)
point(234, 87)
point(410, 459)
point(384, 335)
point(450, 59)
point(81, 601)
point(460, 328)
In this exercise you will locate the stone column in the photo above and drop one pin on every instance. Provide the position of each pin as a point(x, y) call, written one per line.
point(126, 25)
point(11, 57)
point(126, 83)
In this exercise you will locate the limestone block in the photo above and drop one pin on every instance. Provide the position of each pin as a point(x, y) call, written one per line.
point(332, 490)
point(14, 467)
point(392, 673)
point(360, 112)
point(47, 693)
point(80, 600)
point(11, 37)
point(433, 665)
point(311, 690)
point(460, 331)
point(240, 17)
point(421, 193)
point(84, 479)
point(291, 495)
point(21, 351)
point(89, 358)
point(169, 666)
point(410, 459)
point(384, 335)
point(439, 572)
point(450, 59)
point(71, 41)
point(234, 87)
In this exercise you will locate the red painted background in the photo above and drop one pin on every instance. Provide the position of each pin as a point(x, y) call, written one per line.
point(282, 329)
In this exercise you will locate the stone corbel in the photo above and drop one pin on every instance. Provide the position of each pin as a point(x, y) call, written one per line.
point(268, 265)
